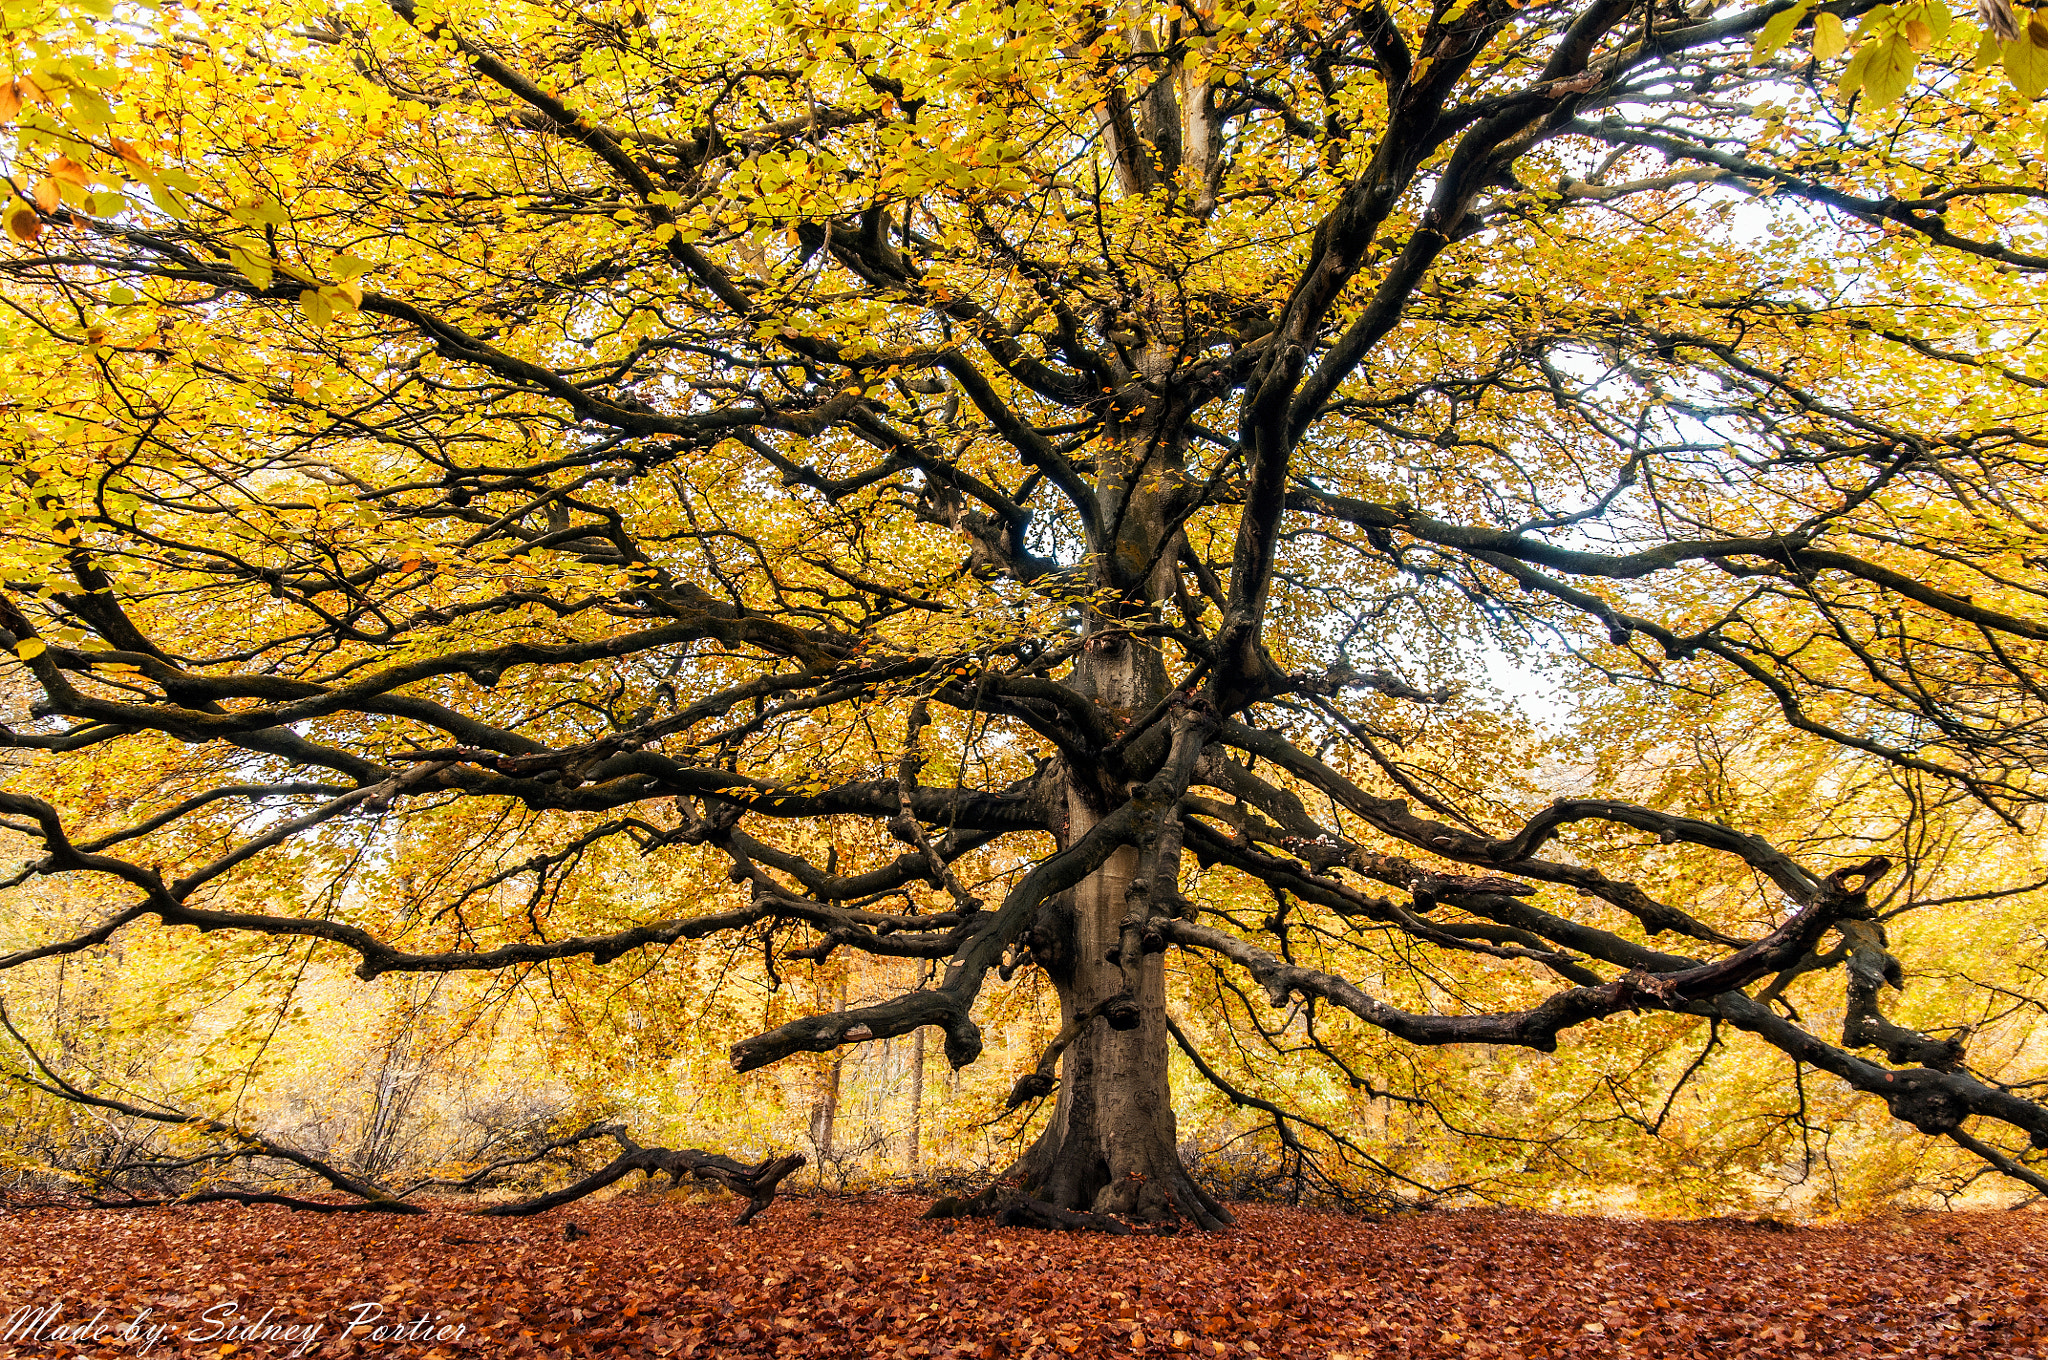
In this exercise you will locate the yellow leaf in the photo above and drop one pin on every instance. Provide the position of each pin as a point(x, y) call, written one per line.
point(1890, 71)
point(1830, 39)
point(30, 648)
point(1989, 48)
point(88, 110)
point(2026, 63)
point(1776, 32)
point(315, 304)
point(254, 267)
point(169, 201)
point(1852, 77)
point(1919, 36)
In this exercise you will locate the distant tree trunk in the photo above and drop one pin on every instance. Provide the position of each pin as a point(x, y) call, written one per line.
point(916, 1099)
point(825, 1112)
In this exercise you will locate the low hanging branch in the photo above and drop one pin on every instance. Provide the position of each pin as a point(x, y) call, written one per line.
point(757, 1183)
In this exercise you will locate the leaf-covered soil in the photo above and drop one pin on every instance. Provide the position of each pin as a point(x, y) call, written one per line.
point(866, 1278)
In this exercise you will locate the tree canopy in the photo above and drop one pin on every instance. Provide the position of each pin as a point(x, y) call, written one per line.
point(1047, 488)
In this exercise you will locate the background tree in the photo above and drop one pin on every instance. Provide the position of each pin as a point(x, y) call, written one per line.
point(1106, 450)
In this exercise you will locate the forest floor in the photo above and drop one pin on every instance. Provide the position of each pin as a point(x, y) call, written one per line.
point(865, 1278)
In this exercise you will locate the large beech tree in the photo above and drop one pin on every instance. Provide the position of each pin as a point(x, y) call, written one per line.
point(1105, 449)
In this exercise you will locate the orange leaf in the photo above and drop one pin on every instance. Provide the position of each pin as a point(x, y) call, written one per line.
point(22, 222)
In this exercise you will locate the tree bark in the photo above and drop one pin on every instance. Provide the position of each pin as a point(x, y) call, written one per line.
point(825, 1112)
point(1112, 1146)
point(916, 1100)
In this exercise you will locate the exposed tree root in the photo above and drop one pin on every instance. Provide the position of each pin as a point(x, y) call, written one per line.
point(1012, 1208)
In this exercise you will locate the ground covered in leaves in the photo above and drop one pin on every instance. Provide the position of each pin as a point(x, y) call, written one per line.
point(866, 1278)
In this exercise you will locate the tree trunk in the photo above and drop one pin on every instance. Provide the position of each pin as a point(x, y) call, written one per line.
point(825, 1111)
point(825, 1114)
point(1112, 1146)
point(916, 1099)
